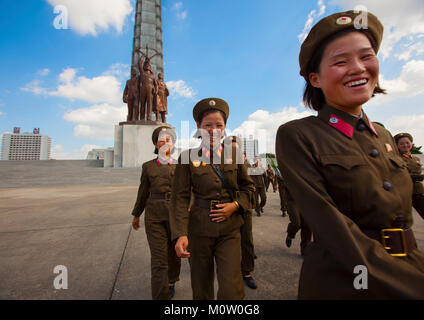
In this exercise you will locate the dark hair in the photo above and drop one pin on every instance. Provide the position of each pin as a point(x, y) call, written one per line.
point(313, 97)
point(210, 111)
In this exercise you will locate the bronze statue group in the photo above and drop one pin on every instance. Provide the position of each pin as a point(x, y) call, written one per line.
point(145, 94)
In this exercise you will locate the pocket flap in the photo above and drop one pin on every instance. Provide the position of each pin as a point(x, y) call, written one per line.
point(342, 160)
point(397, 160)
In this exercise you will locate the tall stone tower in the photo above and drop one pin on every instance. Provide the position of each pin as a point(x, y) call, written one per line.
point(148, 32)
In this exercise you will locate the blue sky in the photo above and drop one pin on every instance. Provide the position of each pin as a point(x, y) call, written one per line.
point(69, 82)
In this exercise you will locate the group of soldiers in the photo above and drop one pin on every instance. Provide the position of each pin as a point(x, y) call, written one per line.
point(145, 94)
point(287, 206)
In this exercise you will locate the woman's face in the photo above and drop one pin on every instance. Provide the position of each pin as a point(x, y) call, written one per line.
point(404, 145)
point(212, 128)
point(348, 72)
point(164, 145)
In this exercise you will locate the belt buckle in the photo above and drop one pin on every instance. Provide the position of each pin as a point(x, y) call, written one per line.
point(214, 202)
point(384, 237)
point(168, 196)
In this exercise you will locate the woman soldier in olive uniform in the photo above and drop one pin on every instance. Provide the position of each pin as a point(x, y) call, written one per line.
point(154, 195)
point(346, 175)
point(404, 143)
point(222, 192)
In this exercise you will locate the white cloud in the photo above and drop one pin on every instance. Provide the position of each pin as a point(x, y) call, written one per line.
point(408, 84)
point(411, 50)
point(412, 124)
point(312, 17)
point(180, 88)
point(119, 70)
point(43, 72)
point(104, 88)
point(96, 121)
point(103, 92)
point(89, 17)
point(401, 19)
point(268, 123)
point(179, 12)
point(35, 87)
point(1, 113)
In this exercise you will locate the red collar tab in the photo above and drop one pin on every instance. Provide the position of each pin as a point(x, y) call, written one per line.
point(341, 126)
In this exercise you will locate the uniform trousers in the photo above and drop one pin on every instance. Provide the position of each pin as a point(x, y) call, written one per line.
point(247, 247)
point(225, 250)
point(165, 264)
point(260, 192)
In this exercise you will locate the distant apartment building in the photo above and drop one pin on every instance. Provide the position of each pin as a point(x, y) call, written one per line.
point(26, 146)
point(250, 146)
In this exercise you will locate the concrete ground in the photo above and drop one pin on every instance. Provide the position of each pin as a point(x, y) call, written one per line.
point(79, 217)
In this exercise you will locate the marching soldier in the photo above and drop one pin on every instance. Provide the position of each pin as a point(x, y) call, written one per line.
point(223, 190)
point(246, 232)
point(154, 195)
point(345, 174)
point(282, 193)
point(258, 175)
point(270, 178)
point(404, 143)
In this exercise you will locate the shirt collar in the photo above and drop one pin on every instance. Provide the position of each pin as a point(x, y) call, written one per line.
point(163, 162)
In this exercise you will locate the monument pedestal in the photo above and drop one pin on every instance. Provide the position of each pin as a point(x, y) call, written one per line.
point(133, 144)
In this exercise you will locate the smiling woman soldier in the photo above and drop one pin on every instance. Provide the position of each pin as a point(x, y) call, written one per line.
point(222, 191)
point(345, 173)
point(154, 195)
point(404, 143)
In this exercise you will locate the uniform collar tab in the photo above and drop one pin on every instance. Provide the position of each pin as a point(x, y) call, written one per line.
point(341, 125)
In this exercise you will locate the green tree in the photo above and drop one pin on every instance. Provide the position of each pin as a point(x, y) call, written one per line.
point(416, 150)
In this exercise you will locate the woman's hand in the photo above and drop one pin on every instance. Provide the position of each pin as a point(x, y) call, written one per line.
point(181, 247)
point(136, 223)
point(224, 211)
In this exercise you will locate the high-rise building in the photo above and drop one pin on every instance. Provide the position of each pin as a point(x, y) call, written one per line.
point(26, 146)
point(250, 146)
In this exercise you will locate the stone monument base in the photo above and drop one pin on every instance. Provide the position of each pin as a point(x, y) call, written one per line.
point(133, 143)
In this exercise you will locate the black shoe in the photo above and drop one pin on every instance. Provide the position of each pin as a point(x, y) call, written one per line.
point(262, 210)
point(171, 292)
point(288, 242)
point(258, 214)
point(250, 282)
point(255, 256)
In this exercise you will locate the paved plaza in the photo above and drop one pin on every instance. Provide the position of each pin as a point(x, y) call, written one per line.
point(77, 214)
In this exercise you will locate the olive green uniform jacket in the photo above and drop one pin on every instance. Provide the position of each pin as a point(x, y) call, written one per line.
point(205, 184)
point(345, 174)
point(414, 167)
point(210, 242)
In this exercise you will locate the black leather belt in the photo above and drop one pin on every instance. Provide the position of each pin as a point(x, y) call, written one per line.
point(162, 196)
point(208, 204)
point(398, 242)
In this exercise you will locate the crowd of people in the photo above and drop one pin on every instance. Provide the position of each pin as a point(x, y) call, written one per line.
point(344, 181)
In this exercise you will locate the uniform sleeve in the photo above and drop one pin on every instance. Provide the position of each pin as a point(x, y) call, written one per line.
point(332, 230)
point(246, 187)
point(143, 193)
point(180, 200)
